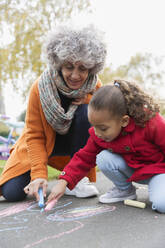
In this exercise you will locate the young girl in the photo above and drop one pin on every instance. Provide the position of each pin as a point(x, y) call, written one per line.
point(127, 141)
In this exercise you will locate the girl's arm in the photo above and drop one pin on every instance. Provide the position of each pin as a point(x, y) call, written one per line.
point(57, 191)
point(81, 163)
point(76, 169)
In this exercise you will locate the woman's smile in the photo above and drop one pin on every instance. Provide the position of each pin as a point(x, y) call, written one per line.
point(74, 75)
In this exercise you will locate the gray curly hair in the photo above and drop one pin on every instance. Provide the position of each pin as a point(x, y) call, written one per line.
point(85, 45)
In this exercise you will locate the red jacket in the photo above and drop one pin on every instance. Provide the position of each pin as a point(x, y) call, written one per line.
point(142, 148)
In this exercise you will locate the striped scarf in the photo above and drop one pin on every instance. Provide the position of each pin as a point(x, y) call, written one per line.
point(50, 83)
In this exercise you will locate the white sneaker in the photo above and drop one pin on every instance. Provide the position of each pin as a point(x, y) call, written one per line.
point(83, 189)
point(116, 195)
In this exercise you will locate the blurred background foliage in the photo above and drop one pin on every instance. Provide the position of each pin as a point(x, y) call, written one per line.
point(4, 129)
point(25, 24)
point(146, 70)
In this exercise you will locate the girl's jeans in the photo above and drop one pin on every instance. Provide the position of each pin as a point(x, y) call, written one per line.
point(116, 169)
point(65, 145)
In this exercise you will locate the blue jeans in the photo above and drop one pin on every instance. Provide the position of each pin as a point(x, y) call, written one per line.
point(67, 144)
point(116, 169)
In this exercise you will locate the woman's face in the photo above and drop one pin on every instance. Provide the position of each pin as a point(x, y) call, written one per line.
point(74, 75)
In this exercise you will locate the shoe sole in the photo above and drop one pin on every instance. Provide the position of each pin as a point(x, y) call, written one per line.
point(86, 196)
point(112, 200)
point(81, 196)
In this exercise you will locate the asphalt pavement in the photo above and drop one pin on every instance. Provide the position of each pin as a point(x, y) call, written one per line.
point(82, 223)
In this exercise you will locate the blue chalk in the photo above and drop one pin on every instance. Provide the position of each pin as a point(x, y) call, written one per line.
point(41, 201)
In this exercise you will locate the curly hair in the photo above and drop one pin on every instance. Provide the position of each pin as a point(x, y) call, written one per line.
point(125, 98)
point(71, 44)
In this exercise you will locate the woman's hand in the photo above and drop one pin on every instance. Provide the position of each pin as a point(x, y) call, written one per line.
point(32, 187)
point(57, 191)
point(79, 101)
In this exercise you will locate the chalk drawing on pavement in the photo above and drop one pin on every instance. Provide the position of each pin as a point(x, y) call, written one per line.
point(34, 207)
point(14, 219)
point(79, 213)
point(17, 208)
point(58, 235)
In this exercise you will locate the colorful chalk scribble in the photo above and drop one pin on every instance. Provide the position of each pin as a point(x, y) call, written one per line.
point(79, 213)
point(34, 207)
point(72, 215)
point(17, 208)
point(15, 221)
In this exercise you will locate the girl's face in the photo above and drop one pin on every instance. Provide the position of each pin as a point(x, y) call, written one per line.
point(105, 125)
point(74, 75)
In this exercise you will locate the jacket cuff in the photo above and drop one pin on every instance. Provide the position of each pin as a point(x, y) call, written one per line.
point(39, 174)
point(71, 184)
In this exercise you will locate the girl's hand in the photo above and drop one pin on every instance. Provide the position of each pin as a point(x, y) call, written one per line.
point(32, 187)
point(79, 101)
point(57, 191)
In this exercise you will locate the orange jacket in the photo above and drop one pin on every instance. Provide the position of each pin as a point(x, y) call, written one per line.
point(34, 146)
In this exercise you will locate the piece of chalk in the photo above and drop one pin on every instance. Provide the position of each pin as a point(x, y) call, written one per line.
point(50, 205)
point(41, 201)
point(134, 203)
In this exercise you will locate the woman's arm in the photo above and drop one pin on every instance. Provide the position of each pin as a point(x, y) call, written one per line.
point(36, 143)
point(35, 136)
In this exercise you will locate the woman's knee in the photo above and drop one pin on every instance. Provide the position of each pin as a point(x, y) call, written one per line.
point(13, 190)
point(12, 194)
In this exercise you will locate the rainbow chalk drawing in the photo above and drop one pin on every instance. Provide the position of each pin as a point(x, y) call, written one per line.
point(10, 213)
point(15, 219)
point(72, 215)
point(13, 228)
point(13, 223)
point(62, 216)
point(34, 207)
point(79, 213)
point(17, 208)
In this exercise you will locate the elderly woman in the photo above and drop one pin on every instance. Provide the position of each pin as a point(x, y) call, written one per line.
point(56, 124)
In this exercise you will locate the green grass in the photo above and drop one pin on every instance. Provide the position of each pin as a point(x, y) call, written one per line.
point(2, 163)
point(52, 173)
